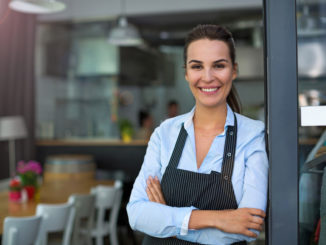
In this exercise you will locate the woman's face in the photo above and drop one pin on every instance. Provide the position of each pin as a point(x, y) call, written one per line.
point(209, 72)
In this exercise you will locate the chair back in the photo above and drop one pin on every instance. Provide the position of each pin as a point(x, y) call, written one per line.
point(56, 218)
point(84, 207)
point(22, 230)
point(83, 204)
point(107, 198)
point(104, 196)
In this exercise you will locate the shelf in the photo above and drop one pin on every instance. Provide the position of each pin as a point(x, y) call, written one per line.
point(90, 142)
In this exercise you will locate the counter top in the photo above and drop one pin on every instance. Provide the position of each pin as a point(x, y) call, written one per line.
point(89, 142)
point(112, 142)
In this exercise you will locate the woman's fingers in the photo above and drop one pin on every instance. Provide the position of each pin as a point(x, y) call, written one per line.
point(150, 195)
point(257, 212)
point(157, 189)
point(154, 191)
point(250, 233)
point(255, 226)
point(257, 220)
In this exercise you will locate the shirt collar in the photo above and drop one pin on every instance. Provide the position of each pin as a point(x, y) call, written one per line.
point(188, 122)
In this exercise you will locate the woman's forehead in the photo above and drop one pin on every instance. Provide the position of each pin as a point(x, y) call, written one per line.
point(208, 49)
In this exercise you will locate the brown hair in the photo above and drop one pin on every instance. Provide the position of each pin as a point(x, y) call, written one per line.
point(215, 32)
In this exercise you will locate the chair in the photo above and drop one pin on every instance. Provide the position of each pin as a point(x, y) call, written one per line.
point(56, 218)
point(22, 230)
point(84, 206)
point(107, 198)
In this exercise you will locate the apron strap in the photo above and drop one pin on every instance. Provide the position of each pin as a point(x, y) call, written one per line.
point(177, 151)
point(229, 151)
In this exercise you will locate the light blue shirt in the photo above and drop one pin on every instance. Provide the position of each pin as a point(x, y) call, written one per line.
point(249, 177)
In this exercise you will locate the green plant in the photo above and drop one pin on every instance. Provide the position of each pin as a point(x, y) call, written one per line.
point(125, 127)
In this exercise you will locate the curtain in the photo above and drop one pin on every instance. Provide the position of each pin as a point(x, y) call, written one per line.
point(17, 40)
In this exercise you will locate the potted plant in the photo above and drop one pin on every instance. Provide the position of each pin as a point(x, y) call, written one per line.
point(28, 173)
point(126, 130)
point(15, 188)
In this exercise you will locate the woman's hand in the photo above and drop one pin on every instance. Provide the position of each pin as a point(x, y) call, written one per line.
point(154, 191)
point(237, 221)
point(241, 220)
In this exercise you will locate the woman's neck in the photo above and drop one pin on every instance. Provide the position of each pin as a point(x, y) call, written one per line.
point(210, 118)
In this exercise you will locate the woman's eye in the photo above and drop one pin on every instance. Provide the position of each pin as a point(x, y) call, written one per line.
point(196, 67)
point(219, 66)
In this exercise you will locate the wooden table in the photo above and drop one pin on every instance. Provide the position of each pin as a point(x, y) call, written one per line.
point(54, 192)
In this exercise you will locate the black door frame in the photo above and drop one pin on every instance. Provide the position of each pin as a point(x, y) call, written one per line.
point(281, 95)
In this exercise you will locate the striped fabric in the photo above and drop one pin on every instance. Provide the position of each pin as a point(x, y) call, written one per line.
point(182, 188)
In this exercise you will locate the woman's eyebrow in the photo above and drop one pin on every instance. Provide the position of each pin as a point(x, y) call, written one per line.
point(216, 61)
point(221, 60)
point(195, 61)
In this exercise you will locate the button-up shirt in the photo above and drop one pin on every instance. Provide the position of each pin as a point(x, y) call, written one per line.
point(249, 178)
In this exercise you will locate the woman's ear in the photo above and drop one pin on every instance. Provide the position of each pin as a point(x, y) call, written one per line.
point(186, 75)
point(235, 71)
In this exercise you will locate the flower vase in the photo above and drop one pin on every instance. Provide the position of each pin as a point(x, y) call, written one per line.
point(15, 196)
point(30, 190)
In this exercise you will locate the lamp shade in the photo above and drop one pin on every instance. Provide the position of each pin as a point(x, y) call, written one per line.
point(125, 34)
point(12, 127)
point(37, 6)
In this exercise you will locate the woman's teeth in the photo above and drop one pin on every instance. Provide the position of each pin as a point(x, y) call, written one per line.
point(208, 89)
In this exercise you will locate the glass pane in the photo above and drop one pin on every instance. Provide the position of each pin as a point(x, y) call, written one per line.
point(311, 24)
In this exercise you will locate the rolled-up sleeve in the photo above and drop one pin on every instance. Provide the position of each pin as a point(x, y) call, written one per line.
point(256, 173)
point(153, 218)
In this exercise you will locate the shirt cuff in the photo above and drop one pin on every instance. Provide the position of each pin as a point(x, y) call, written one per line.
point(185, 223)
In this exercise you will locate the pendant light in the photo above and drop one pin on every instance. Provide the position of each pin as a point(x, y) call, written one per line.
point(37, 6)
point(124, 34)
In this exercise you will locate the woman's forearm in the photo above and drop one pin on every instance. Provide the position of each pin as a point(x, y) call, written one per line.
point(200, 219)
point(238, 221)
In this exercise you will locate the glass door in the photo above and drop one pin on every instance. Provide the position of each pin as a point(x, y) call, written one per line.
point(311, 41)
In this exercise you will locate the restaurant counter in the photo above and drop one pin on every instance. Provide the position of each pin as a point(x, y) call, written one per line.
point(109, 155)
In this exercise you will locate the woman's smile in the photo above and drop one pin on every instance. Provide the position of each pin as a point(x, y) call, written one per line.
point(209, 90)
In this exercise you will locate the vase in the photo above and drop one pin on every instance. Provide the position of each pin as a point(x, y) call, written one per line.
point(15, 196)
point(30, 190)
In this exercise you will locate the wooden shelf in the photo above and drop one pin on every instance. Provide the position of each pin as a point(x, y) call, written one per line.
point(90, 142)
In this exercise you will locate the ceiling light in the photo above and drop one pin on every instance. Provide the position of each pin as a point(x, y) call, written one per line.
point(125, 34)
point(37, 6)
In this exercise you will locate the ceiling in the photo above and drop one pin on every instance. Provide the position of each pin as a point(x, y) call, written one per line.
point(171, 28)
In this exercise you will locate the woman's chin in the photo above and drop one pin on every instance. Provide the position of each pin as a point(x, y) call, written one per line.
point(211, 104)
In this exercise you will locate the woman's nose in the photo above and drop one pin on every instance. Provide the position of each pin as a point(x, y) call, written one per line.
point(207, 75)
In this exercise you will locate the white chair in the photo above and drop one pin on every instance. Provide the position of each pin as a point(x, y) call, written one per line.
point(107, 198)
point(56, 218)
point(84, 206)
point(24, 230)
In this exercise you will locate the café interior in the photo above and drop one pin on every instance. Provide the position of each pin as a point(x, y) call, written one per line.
point(84, 83)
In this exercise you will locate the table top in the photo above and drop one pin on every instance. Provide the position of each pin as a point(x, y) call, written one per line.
point(50, 193)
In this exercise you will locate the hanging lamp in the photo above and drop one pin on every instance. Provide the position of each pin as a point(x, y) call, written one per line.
point(124, 34)
point(37, 6)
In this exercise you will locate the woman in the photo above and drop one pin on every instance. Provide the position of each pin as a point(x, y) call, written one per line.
point(204, 176)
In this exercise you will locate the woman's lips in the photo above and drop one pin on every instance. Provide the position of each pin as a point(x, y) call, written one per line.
point(210, 90)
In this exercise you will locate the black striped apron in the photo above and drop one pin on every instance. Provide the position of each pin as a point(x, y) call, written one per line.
point(183, 188)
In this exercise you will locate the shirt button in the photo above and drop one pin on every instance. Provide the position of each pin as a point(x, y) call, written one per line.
point(231, 133)
point(226, 177)
point(229, 154)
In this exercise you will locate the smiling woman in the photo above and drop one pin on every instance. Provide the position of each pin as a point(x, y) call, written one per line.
point(190, 190)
